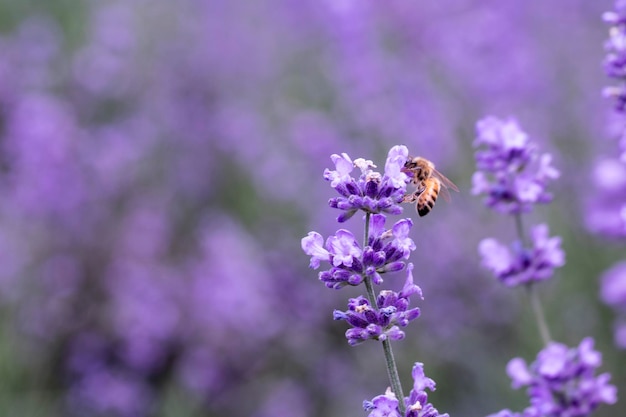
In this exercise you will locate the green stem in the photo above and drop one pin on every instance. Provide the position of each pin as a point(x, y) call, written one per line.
point(532, 293)
point(394, 377)
point(368, 282)
point(539, 315)
point(520, 230)
point(392, 369)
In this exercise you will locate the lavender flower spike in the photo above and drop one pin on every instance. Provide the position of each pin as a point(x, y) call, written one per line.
point(373, 317)
point(562, 382)
point(417, 401)
point(615, 65)
point(383, 322)
point(372, 192)
point(511, 174)
point(615, 61)
point(613, 293)
point(417, 404)
point(350, 264)
point(385, 405)
point(516, 265)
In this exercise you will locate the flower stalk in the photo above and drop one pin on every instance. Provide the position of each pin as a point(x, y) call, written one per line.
point(539, 314)
point(383, 251)
point(390, 361)
point(513, 176)
point(535, 302)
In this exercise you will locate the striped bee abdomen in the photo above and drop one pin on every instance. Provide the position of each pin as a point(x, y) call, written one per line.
point(428, 197)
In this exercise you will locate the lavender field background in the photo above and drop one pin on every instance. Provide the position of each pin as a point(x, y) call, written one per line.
point(160, 162)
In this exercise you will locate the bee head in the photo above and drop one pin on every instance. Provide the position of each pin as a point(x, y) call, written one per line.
point(412, 162)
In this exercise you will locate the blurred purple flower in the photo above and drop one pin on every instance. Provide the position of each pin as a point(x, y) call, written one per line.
point(613, 290)
point(107, 392)
point(517, 265)
point(562, 382)
point(42, 142)
point(106, 66)
point(101, 387)
point(511, 173)
point(605, 207)
point(613, 293)
point(287, 398)
point(615, 66)
point(615, 61)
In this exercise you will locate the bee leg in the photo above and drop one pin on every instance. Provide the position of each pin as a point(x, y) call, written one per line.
point(411, 198)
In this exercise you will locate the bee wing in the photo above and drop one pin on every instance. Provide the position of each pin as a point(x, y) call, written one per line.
point(445, 181)
point(443, 192)
point(446, 184)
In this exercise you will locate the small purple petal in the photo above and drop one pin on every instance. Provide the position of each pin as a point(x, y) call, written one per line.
point(518, 371)
point(343, 166)
point(312, 245)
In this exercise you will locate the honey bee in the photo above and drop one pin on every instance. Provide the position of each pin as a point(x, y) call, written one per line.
point(429, 184)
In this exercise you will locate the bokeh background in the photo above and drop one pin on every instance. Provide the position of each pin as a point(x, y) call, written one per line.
point(161, 160)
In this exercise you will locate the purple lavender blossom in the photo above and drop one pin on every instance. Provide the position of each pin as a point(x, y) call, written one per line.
point(384, 405)
point(615, 66)
point(108, 392)
point(343, 249)
point(615, 60)
point(392, 310)
point(511, 173)
point(613, 293)
point(607, 207)
point(562, 382)
point(385, 252)
point(417, 404)
point(516, 265)
point(371, 192)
